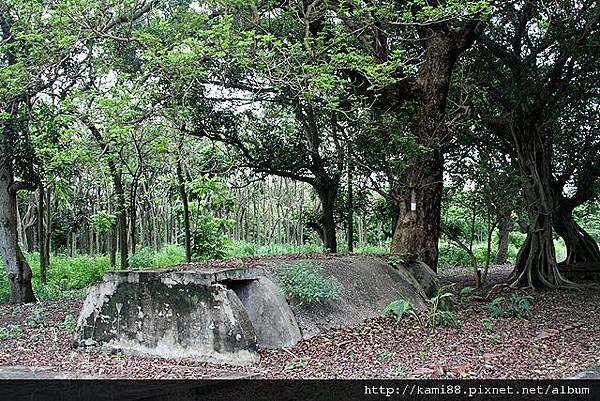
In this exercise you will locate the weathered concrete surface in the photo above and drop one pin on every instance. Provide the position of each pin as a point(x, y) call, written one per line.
point(426, 278)
point(225, 315)
point(170, 314)
point(271, 316)
point(368, 284)
point(172, 276)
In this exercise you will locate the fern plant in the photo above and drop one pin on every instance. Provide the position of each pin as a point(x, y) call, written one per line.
point(438, 311)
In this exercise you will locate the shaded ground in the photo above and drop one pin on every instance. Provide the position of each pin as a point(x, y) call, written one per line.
point(557, 340)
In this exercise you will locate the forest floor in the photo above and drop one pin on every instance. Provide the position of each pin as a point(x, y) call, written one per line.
point(554, 341)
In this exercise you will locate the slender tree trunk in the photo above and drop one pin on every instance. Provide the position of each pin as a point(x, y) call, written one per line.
point(186, 213)
point(503, 234)
point(42, 234)
point(473, 219)
point(111, 237)
point(121, 221)
point(121, 206)
point(350, 205)
point(581, 247)
point(48, 226)
point(30, 231)
point(133, 215)
point(73, 243)
point(112, 246)
point(16, 266)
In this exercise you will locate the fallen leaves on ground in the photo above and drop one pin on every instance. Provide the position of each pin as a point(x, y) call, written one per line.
point(555, 341)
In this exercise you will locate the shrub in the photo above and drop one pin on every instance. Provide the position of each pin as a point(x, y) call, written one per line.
point(450, 255)
point(466, 291)
point(395, 261)
point(36, 318)
point(74, 272)
point(439, 309)
point(142, 259)
point(299, 282)
point(47, 291)
point(208, 239)
point(242, 248)
point(514, 306)
point(516, 238)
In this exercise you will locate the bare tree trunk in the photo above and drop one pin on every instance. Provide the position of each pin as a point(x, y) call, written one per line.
point(121, 220)
point(186, 213)
point(133, 215)
point(418, 228)
point(503, 234)
point(350, 205)
point(113, 247)
point(16, 266)
point(42, 234)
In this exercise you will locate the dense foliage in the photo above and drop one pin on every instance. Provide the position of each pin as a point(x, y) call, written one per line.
point(463, 132)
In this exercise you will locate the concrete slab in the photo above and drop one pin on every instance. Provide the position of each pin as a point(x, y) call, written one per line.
point(171, 276)
point(224, 315)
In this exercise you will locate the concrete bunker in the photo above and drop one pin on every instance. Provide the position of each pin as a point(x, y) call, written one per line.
point(226, 315)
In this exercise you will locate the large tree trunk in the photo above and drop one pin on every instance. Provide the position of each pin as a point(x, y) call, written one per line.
point(395, 214)
point(186, 213)
point(418, 227)
point(16, 266)
point(536, 261)
point(581, 247)
point(327, 194)
point(503, 234)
